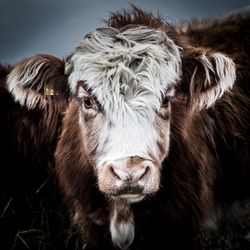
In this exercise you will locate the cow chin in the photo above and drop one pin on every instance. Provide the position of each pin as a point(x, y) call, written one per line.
point(112, 185)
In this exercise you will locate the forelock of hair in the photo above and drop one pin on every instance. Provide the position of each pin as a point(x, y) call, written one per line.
point(114, 58)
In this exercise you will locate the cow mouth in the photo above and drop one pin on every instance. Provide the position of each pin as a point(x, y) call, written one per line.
point(130, 194)
point(131, 198)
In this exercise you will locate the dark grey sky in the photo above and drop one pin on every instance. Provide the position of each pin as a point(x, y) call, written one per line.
point(30, 27)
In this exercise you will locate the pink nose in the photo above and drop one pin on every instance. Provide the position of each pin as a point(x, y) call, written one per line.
point(133, 174)
point(129, 178)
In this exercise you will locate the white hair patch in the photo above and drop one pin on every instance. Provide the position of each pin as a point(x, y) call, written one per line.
point(128, 71)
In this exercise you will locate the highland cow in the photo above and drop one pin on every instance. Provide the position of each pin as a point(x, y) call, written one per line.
point(154, 143)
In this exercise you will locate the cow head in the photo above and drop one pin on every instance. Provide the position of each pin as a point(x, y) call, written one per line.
point(124, 81)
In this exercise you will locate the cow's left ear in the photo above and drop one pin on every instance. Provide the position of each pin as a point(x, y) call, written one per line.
point(206, 77)
point(36, 80)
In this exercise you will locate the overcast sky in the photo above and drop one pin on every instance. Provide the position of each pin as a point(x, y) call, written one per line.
point(55, 27)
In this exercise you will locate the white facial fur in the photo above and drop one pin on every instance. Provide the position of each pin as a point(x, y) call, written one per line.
point(129, 72)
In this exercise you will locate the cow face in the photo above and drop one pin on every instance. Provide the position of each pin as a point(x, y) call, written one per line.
point(123, 82)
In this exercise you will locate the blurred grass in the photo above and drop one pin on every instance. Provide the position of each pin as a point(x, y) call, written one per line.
point(233, 232)
point(40, 221)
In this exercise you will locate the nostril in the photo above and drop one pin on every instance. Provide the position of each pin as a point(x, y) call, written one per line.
point(129, 177)
point(113, 173)
point(146, 173)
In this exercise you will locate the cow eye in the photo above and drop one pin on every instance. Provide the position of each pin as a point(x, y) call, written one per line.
point(165, 102)
point(88, 103)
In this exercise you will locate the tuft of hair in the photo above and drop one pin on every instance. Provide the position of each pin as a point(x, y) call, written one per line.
point(122, 225)
point(109, 58)
point(136, 16)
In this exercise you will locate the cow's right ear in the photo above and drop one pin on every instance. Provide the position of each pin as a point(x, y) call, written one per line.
point(35, 80)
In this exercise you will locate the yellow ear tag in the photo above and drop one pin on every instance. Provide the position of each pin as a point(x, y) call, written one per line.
point(49, 89)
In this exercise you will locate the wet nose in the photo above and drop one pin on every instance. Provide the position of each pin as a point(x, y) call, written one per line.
point(132, 174)
point(129, 178)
